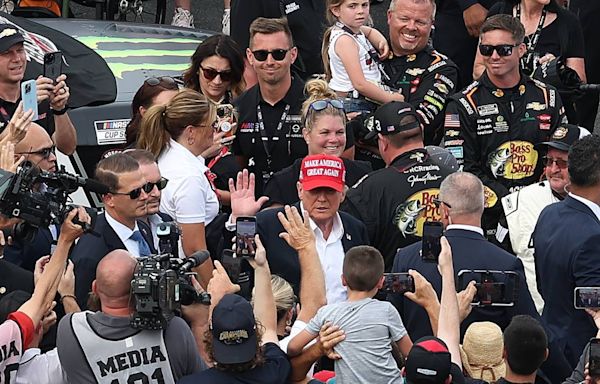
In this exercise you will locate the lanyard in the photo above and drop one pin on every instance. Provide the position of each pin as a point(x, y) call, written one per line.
point(369, 48)
point(265, 136)
point(532, 42)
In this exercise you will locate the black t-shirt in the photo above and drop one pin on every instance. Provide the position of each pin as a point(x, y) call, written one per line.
point(285, 144)
point(281, 188)
point(46, 120)
point(275, 370)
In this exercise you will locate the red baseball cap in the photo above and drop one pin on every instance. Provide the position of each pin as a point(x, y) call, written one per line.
point(319, 171)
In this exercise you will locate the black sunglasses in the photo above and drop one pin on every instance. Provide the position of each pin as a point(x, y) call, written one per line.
point(438, 203)
point(277, 54)
point(320, 105)
point(160, 184)
point(44, 152)
point(167, 82)
point(210, 74)
point(502, 49)
point(133, 194)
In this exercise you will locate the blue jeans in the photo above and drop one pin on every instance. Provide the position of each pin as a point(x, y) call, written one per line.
point(358, 105)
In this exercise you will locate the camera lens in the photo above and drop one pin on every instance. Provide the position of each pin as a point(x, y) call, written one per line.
point(27, 88)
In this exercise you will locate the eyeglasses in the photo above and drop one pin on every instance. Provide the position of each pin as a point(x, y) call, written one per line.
point(560, 163)
point(44, 152)
point(167, 82)
point(438, 203)
point(133, 194)
point(210, 74)
point(320, 105)
point(502, 49)
point(160, 184)
point(277, 54)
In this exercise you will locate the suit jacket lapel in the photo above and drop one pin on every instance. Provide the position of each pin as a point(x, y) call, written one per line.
point(581, 207)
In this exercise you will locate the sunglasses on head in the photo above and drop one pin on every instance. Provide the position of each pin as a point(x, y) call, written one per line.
point(320, 105)
point(44, 152)
point(277, 54)
point(502, 49)
point(167, 81)
point(147, 188)
point(560, 163)
point(210, 74)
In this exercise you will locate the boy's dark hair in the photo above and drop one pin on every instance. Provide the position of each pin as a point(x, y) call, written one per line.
point(526, 344)
point(505, 23)
point(584, 161)
point(363, 268)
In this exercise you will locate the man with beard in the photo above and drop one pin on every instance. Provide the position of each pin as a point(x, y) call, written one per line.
point(118, 227)
point(522, 208)
point(424, 76)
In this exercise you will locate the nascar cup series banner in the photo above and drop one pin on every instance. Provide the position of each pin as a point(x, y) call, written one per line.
point(90, 80)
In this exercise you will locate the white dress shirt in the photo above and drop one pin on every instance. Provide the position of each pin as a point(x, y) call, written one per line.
point(331, 254)
point(466, 227)
point(124, 233)
point(590, 204)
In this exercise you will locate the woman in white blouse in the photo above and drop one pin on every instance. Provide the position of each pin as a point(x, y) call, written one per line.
point(177, 133)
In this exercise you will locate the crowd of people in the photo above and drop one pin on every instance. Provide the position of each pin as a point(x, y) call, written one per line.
point(340, 181)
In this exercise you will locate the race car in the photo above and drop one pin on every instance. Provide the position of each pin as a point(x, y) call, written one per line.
point(116, 58)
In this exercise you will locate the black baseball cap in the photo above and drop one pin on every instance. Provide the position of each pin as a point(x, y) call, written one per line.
point(9, 36)
point(428, 362)
point(564, 136)
point(233, 330)
point(386, 119)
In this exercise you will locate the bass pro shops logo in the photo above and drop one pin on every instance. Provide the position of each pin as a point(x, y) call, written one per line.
point(513, 160)
point(410, 215)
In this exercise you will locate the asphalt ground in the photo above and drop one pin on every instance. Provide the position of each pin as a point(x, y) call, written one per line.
point(208, 13)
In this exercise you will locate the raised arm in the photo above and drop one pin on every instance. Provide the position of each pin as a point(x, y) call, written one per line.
point(264, 302)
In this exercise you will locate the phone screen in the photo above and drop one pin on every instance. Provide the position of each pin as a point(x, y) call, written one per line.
point(232, 264)
point(494, 288)
point(594, 358)
point(431, 246)
point(53, 65)
point(29, 97)
point(489, 293)
point(398, 283)
point(245, 232)
point(587, 297)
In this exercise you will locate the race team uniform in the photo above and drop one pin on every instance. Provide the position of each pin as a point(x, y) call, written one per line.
point(492, 133)
point(394, 202)
point(426, 79)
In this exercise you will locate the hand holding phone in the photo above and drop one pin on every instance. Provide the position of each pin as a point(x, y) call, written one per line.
point(29, 97)
point(53, 65)
point(431, 243)
point(245, 245)
point(398, 283)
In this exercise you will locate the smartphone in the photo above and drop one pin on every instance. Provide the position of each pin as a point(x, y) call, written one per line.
point(225, 118)
point(245, 246)
point(398, 283)
point(494, 288)
point(232, 264)
point(594, 358)
point(586, 297)
point(431, 246)
point(29, 97)
point(53, 65)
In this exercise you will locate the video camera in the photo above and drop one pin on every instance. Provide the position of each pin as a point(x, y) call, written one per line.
point(40, 207)
point(563, 78)
point(162, 284)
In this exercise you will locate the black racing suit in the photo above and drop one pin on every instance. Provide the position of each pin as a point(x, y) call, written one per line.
point(394, 202)
point(426, 79)
point(492, 132)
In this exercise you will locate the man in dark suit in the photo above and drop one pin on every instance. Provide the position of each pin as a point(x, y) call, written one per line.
point(117, 227)
point(567, 249)
point(321, 190)
point(461, 202)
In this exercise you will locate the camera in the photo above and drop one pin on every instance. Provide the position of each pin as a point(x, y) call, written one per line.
point(40, 207)
point(161, 284)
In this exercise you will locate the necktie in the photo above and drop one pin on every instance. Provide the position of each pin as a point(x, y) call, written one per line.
point(142, 245)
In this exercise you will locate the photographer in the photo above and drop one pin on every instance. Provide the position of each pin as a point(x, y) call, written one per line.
point(118, 351)
point(17, 332)
point(52, 94)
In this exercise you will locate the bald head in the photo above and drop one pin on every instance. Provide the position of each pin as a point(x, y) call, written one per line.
point(113, 277)
point(38, 148)
point(35, 134)
point(462, 191)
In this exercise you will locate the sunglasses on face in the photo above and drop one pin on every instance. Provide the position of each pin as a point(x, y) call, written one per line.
point(502, 49)
point(320, 105)
point(560, 163)
point(167, 81)
point(160, 184)
point(210, 74)
point(277, 54)
point(44, 152)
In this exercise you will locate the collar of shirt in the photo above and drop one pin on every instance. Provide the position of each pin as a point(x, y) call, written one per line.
point(124, 233)
point(337, 230)
point(590, 204)
point(408, 159)
point(465, 227)
point(185, 154)
point(294, 95)
point(154, 221)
